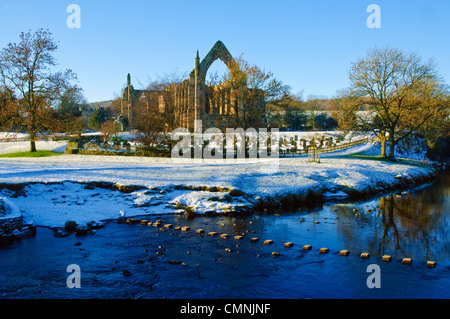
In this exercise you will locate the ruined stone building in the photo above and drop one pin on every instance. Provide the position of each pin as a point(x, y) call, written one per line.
point(190, 100)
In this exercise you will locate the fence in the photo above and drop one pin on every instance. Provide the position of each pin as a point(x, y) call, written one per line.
point(324, 149)
point(127, 149)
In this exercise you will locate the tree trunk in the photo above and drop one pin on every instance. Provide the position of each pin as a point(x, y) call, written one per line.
point(32, 127)
point(32, 142)
point(391, 144)
point(383, 144)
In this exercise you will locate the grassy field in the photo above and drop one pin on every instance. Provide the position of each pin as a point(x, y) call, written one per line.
point(385, 159)
point(42, 153)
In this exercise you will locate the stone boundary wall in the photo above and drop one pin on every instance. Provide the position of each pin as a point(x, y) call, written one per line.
point(7, 225)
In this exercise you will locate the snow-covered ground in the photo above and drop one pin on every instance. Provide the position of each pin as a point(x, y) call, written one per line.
point(169, 184)
point(416, 151)
point(12, 147)
point(12, 136)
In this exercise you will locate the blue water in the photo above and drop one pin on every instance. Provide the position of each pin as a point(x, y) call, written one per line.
point(413, 224)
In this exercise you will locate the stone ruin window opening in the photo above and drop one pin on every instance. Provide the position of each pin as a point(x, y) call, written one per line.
point(216, 101)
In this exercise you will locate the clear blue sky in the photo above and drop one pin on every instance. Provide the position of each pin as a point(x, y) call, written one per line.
point(307, 44)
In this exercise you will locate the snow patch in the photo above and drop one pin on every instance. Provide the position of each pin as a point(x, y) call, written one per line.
point(13, 147)
point(64, 197)
point(8, 209)
point(209, 202)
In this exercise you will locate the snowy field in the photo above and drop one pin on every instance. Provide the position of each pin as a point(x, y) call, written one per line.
point(168, 184)
point(13, 147)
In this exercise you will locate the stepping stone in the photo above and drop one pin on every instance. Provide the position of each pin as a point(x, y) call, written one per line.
point(168, 225)
point(365, 255)
point(288, 244)
point(386, 258)
point(132, 221)
point(307, 247)
point(126, 273)
point(212, 233)
point(199, 231)
point(407, 261)
point(144, 222)
point(324, 250)
point(268, 242)
point(185, 228)
point(177, 228)
point(223, 236)
point(431, 264)
point(344, 252)
point(275, 254)
point(254, 239)
point(238, 237)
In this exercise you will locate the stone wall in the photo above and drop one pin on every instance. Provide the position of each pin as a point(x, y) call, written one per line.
point(7, 225)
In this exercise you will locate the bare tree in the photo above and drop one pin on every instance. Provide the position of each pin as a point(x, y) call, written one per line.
point(157, 112)
point(26, 72)
point(354, 117)
point(8, 109)
point(108, 129)
point(249, 88)
point(400, 88)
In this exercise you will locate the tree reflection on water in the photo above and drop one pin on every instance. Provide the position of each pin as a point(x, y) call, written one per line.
point(408, 224)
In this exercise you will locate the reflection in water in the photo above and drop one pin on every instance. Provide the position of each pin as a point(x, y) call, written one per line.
point(408, 224)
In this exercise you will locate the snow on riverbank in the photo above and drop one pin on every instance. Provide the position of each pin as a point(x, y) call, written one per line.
point(8, 209)
point(204, 187)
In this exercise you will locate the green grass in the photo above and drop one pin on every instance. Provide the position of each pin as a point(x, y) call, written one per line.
point(42, 153)
point(385, 159)
point(369, 157)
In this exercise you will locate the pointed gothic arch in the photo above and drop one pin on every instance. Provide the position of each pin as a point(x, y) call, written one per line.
point(188, 98)
point(218, 51)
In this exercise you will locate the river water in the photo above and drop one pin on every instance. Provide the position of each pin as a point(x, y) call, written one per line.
point(175, 264)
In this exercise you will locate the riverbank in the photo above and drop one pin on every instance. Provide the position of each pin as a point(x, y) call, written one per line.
point(51, 190)
point(142, 261)
point(139, 260)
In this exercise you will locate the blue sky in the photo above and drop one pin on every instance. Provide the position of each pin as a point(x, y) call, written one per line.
point(307, 44)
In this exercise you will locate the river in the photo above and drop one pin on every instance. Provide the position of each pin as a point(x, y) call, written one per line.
point(136, 261)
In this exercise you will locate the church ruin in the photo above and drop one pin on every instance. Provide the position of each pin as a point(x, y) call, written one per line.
point(191, 100)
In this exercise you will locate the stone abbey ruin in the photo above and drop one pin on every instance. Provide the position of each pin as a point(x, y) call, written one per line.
point(190, 101)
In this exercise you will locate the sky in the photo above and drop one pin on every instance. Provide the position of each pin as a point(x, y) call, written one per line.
point(308, 45)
